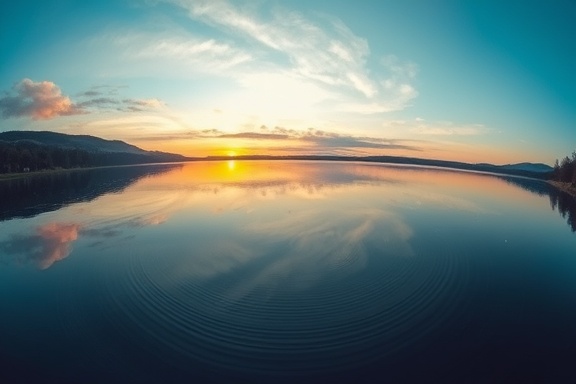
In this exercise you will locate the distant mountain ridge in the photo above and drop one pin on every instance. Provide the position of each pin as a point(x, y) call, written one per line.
point(533, 170)
point(115, 152)
point(531, 167)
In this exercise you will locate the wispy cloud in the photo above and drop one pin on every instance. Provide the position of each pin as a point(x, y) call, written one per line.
point(145, 103)
point(254, 136)
point(102, 90)
point(436, 128)
point(310, 139)
point(94, 99)
point(322, 51)
point(39, 100)
point(91, 93)
point(98, 102)
point(207, 55)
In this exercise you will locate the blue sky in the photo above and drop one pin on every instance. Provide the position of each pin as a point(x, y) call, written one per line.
point(479, 81)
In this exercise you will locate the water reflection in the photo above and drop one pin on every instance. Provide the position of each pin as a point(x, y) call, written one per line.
point(329, 243)
point(28, 197)
point(49, 243)
point(288, 271)
point(561, 201)
point(152, 195)
point(31, 196)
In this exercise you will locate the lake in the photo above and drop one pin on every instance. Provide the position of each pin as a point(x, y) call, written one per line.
point(281, 272)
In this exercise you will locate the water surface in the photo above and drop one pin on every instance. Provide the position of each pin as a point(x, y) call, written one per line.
point(286, 271)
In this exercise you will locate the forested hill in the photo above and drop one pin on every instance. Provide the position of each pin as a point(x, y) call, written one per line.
point(565, 170)
point(82, 142)
point(23, 151)
point(27, 151)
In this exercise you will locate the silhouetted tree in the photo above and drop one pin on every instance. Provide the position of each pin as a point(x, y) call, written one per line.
point(565, 170)
point(19, 156)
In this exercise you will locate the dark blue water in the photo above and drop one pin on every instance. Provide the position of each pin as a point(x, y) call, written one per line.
point(271, 272)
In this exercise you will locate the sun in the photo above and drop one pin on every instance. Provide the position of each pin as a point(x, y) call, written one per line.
point(231, 154)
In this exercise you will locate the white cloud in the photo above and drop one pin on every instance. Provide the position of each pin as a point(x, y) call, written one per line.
point(207, 55)
point(323, 51)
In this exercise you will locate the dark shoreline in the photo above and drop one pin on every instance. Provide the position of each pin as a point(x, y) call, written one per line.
point(20, 175)
point(565, 187)
point(393, 160)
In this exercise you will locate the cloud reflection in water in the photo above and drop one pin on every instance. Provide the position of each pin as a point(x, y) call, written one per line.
point(50, 243)
point(300, 205)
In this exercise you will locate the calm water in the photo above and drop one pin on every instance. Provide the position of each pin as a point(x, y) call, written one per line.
point(286, 272)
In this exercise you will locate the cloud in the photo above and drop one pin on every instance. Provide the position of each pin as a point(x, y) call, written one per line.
point(320, 51)
point(44, 100)
point(326, 139)
point(125, 105)
point(340, 141)
point(254, 136)
point(299, 39)
point(39, 100)
point(206, 55)
point(436, 128)
point(50, 243)
point(98, 102)
point(102, 91)
point(144, 103)
point(91, 93)
point(312, 139)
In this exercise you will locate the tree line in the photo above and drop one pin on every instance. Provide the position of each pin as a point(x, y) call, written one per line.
point(30, 157)
point(565, 170)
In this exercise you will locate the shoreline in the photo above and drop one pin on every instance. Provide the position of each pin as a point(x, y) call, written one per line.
point(19, 175)
point(565, 187)
point(392, 161)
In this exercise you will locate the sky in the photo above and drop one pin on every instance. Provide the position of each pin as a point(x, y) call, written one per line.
point(475, 81)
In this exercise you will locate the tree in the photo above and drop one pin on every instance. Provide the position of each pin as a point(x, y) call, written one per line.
point(556, 172)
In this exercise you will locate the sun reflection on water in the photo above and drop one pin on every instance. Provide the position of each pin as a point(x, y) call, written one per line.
point(297, 196)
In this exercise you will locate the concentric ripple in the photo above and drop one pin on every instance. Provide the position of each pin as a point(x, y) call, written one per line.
point(238, 321)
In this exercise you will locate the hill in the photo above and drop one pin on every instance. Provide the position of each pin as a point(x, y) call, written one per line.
point(36, 150)
point(530, 167)
point(83, 142)
point(23, 151)
point(533, 170)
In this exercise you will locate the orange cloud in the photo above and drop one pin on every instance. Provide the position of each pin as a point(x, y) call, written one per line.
point(39, 100)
